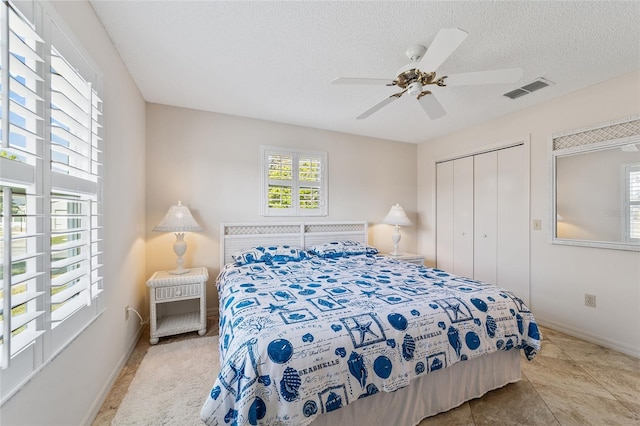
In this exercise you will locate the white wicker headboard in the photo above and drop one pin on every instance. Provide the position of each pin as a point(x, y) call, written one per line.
point(239, 236)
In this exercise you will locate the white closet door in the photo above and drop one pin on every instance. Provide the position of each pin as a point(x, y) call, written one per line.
point(513, 219)
point(485, 185)
point(444, 216)
point(463, 217)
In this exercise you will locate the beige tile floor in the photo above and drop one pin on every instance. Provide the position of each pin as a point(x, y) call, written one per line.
point(570, 382)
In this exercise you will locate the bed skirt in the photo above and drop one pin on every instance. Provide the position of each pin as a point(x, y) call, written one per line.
point(434, 393)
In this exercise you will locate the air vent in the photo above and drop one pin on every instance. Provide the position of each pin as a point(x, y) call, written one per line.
point(537, 84)
point(516, 93)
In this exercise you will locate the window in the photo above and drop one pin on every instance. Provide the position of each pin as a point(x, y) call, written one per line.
point(294, 182)
point(632, 198)
point(51, 180)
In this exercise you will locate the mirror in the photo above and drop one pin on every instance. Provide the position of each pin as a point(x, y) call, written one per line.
point(596, 194)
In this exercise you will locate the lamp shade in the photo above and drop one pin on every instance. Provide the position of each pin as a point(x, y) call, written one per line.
point(178, 219)
point(397, 216)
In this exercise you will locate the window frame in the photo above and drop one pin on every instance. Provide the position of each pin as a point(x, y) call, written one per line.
point(296, 182)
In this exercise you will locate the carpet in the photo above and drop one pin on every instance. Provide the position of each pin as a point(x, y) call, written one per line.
point(171, 384)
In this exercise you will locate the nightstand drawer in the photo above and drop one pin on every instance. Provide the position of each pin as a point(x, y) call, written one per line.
point(178, 291)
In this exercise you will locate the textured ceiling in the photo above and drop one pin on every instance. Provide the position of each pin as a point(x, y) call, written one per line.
point(275, 60)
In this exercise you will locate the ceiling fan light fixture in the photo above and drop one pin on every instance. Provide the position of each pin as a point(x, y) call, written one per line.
point(415, 88)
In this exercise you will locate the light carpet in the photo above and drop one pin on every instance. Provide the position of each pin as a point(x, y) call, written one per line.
point(171, 384)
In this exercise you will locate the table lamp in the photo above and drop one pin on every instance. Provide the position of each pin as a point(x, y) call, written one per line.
point(396, 217)
point(178, 220)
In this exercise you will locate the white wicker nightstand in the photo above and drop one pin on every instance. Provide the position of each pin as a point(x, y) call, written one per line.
point(407, 257)
point(165, 288)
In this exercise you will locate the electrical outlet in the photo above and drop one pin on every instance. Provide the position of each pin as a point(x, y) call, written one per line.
point(537, 225)
point(126, 313)
point(590, 300)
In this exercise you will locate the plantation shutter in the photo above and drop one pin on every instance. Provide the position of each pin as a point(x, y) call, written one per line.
point(633, 202)
point(280, 182)
point(51, 179)
point(75, 177)
point(310, 179)
point(294, 182)
point(22, 229)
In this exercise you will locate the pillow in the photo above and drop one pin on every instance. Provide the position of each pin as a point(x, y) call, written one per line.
point(269, 254)
point(342, 249)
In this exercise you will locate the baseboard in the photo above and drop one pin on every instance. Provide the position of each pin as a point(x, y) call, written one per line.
point(95, 408)
point(581, 334)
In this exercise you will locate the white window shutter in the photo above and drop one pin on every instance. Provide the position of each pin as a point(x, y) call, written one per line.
point(297, 187)
point(632, 183)
point(51, 180)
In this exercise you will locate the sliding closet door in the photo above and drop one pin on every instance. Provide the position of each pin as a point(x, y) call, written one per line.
point(463, 217)
point(485, 223)
point(444, 215)
point(513, 220)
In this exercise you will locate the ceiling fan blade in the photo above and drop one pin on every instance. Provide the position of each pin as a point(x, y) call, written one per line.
point(509, 75)
point(352, 80)
point(431, 106)
point(447, 40)
point(379, 105)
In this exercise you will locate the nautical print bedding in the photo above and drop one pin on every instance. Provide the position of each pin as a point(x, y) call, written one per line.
point(301, 338)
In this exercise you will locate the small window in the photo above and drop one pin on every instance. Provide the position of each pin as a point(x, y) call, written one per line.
point(632, 201)
point(294, 182)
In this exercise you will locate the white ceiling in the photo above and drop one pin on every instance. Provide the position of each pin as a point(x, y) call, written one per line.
point(275, 60)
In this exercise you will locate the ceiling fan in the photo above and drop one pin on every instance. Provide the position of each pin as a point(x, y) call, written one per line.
point(421, 72)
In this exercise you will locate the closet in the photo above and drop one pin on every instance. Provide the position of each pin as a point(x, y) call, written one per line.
point(482, 217)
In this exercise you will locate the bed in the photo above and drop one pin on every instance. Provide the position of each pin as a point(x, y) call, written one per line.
point(317, 328)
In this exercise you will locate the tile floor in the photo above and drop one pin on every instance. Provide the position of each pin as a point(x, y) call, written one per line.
point(570, 382)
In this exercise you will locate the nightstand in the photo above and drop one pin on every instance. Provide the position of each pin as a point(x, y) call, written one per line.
point(178, 303)
point(407, 257)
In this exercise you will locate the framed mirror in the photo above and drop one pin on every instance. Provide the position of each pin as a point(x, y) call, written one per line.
point(596, 186)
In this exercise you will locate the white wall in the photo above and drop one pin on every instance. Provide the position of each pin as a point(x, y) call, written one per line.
point(211, 162)
point(560, 275)
point(69, 390)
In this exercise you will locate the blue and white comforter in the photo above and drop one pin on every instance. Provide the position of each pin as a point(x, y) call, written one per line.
point(298, 339)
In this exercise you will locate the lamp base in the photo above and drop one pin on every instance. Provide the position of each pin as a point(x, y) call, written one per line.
point(396, 241)
point(179, 248)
